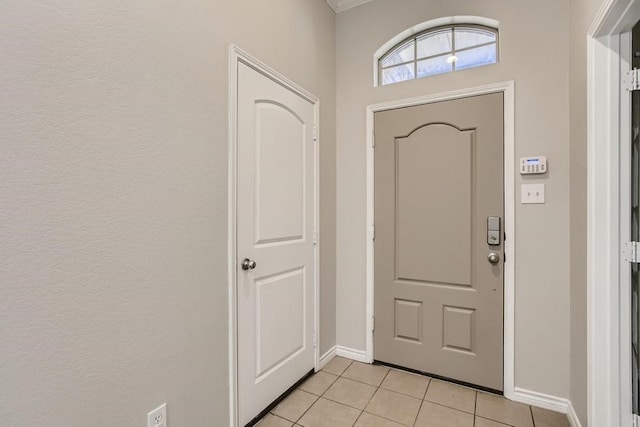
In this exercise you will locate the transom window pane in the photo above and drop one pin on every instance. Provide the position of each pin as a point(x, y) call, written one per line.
point(398, 74)
point(439, 50)
point(475, 57)
point(467, 37)
point(404, 53)
point(431, 66)
point(434, 43)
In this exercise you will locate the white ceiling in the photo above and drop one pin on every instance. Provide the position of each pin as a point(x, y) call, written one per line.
point(342, 5)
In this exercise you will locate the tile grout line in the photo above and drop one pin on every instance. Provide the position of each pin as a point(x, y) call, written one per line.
point(341, 403)
point(306, 410)
point(374, 393)
point(320, 397)
point(346, 378)
point(345, 404)
point(332, 383)
point(419, 410)
point(533, 420)
point(475, 409)
point(450, 407)
point(313, 394)
point(356, 421)
point(424, 397)
point(393, 391)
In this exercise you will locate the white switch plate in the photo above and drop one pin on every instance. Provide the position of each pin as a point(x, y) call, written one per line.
point(532, 193)
point(158, 417)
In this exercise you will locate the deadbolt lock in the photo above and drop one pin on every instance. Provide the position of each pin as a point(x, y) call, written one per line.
point(493, 231)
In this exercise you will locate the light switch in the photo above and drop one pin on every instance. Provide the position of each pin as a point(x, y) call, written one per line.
point(532, 193)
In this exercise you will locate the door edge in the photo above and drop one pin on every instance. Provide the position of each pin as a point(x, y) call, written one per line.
point(508, 90)
point(236, 56)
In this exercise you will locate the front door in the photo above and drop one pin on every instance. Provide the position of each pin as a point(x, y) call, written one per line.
point(275, 240)
point(439, 240)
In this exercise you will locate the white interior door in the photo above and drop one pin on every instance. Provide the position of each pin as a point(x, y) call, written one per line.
point(275, 240)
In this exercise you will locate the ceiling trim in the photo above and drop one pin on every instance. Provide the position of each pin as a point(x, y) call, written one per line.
point(342, 5)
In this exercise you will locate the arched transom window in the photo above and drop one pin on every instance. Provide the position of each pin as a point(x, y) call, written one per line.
point(439, 50)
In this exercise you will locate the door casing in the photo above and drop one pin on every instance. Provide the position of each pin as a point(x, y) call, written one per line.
point(508, 89)
point(608, 190)
point(237, 55)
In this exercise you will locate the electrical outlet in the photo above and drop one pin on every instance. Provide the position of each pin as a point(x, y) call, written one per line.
point(158, 417)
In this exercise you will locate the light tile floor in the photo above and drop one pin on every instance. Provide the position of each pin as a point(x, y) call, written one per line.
point(347, 393)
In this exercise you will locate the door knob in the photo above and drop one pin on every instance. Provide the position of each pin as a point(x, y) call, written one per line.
point(248, 264)
point(493, 258)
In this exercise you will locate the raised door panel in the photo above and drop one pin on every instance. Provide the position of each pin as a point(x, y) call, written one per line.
point(280, 334)
point(434, 178)
point(280, 174)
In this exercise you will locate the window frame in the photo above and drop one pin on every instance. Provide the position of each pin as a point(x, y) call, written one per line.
point(452, 52)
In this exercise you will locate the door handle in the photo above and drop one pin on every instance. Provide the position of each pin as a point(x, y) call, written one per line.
point(248, 264)
point(493, 258)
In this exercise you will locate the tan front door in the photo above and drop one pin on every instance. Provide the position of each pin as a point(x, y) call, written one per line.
point(438, 297)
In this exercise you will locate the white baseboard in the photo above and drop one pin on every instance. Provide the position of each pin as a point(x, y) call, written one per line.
point(349, 353)
point(541, 400)
point(573, 417)
point(326, 358)
point(546, 401)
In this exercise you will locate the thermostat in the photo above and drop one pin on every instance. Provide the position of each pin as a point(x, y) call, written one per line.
point(530, 165)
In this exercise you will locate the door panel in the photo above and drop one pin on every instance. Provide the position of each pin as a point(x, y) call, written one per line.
point(408, 320)
point(438, 300)
point(275, 220)
point(280, 190)
point(458, 329)
point(429, 170)
point(275, 349)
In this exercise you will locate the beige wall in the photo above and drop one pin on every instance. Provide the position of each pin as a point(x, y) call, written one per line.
point(534, 46)
point(113, 186)
point(582, 15)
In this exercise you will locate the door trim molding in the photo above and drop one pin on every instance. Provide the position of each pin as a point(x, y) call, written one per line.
point(608, 355)
point(237, 55)
point(508, 89)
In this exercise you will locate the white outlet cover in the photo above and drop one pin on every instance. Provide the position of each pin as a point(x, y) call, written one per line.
point(158, 417)
point(532, 193)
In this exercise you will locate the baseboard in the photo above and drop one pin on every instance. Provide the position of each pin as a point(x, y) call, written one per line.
point(326, 358)
point(573, 417)
point(546, 401)
point(541, 400)
point(349, 353)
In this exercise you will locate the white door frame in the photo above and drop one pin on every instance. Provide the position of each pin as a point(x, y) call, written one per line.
point(237, 55)
point(608, 112)
point(508, 89)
